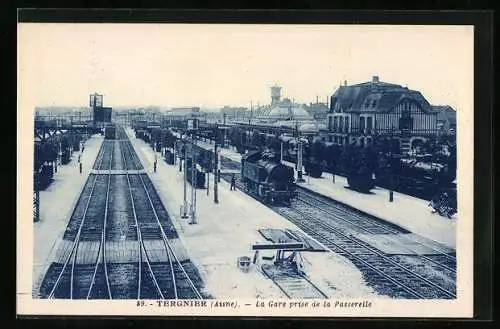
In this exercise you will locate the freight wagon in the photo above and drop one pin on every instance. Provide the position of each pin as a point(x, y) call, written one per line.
point(110, 132)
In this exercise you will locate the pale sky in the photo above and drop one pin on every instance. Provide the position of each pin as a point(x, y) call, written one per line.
point(217, 65)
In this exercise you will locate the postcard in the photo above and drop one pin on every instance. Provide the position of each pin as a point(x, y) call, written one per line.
point(245, 170)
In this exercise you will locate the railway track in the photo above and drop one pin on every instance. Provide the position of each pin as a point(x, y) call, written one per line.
point(116, 208)
point(432, 276)
point(170, 281)
point(293, 284)
point(385, 274)
point(355, 221)
point(82, 278)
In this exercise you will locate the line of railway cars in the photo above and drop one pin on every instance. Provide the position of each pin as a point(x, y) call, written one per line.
point(46, 155)
point(420, 176)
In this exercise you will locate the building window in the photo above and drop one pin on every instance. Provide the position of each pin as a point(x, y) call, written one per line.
point(374, 103)
point(341, 124)
point(369, 123)
point(335, 123)
point(330, 122)
point(346, 124)
point(361, 123)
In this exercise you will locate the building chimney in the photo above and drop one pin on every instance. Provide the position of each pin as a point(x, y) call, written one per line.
point(345, 82)
point(375, 79)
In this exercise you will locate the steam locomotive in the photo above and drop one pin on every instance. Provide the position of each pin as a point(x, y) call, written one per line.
point(267, 179)
point(415, 175)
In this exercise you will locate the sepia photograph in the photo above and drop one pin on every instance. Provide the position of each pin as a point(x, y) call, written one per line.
point(245, 169)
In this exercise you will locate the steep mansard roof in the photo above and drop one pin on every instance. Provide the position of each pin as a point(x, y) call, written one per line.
point(375, 96)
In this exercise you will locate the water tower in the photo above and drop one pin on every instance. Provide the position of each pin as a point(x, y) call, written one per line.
point(275, 94)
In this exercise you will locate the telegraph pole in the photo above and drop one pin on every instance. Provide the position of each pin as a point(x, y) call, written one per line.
point(181, 144)
point(251, 113)
point(223, 144)
point(299, 154)
point(216, 166)
point(193, 180)
point(208, 182)
point(184, 208)
point(281, 152)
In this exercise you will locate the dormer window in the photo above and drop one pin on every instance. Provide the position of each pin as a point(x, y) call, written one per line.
point(374, 103)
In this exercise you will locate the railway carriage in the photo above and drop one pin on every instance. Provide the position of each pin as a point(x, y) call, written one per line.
point(169, 157)
point(110, 132)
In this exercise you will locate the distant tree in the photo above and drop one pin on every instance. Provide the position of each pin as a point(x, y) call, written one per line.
point(332, 156)
point(359, 164)
point(317, 151)
point(235, 136)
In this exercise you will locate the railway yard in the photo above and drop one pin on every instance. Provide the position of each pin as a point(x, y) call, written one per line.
point(126, 234)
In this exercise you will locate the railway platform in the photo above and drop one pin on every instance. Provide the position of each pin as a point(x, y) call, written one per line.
point(226, 231)
point(55, 210)
point(410, 213)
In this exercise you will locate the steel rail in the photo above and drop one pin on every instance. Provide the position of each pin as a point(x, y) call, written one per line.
point(77, 238)
point(102, 246)
point(337, 217)
point(388, 229)
point(372, 250)
point(139, 238)
point(167, 243)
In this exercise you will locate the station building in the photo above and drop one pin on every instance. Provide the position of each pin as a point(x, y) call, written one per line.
point(362, 111)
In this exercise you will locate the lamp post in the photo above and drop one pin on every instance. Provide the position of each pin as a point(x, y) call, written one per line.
point(154, 164)
point(299, 154)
